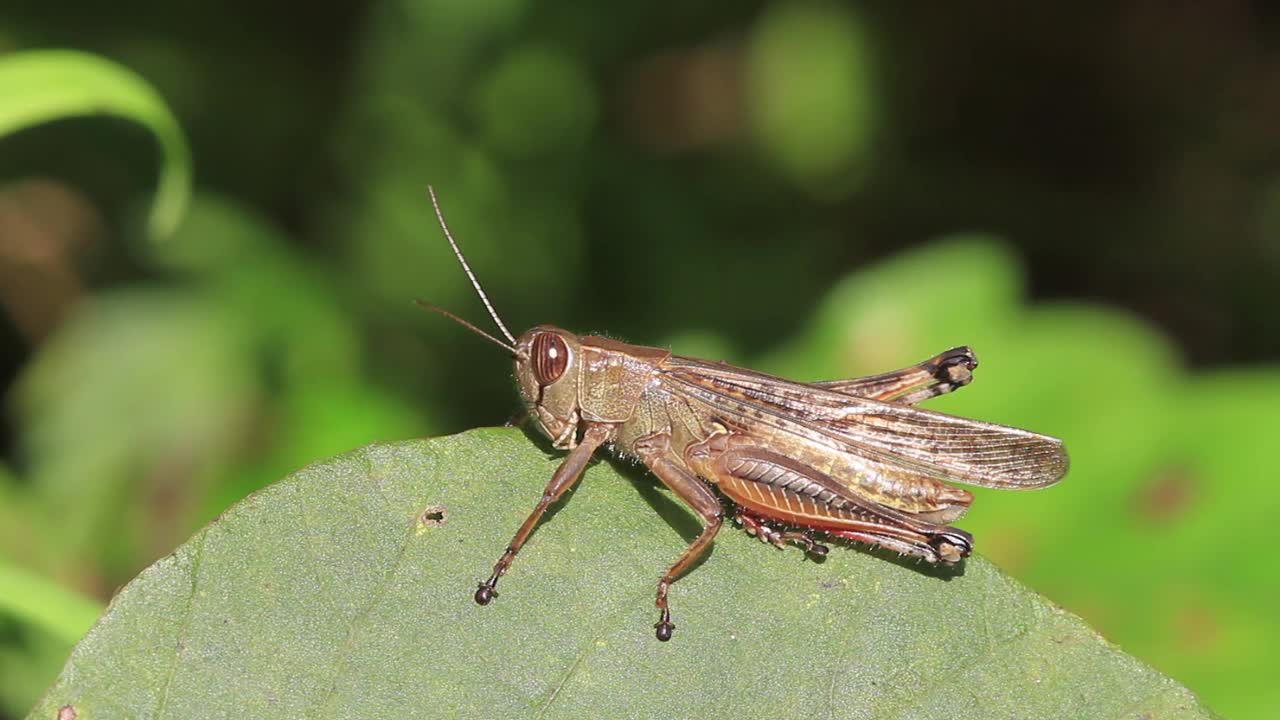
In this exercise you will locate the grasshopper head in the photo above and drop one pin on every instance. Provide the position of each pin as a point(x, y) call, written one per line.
point(547, 366)
point(546, 358)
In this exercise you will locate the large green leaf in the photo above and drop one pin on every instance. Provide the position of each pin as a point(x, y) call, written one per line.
point(327, 595)
point(43, 85)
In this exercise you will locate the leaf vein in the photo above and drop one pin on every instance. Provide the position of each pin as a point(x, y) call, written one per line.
point(183, 627)
point(358, 620)
point(573, 668)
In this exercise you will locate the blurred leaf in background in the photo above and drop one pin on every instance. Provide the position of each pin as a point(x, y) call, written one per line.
point(790, 185)
point(154, 407)
point(1148, 536)
point(811, 103)
point(40, 86)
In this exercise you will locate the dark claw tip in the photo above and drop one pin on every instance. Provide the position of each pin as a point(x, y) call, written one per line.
point(485, 594)
point(819, 550)
point(664, 629)
point(958, 356)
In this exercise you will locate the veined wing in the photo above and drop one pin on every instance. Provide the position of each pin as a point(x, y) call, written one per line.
point(933, 444)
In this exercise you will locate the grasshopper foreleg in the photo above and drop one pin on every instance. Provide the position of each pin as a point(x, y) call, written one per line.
point(655, 452)
point(564, 478)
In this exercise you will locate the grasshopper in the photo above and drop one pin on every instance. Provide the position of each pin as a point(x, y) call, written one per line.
point(849, 459)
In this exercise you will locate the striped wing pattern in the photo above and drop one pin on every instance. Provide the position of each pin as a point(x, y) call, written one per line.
point(915, 440)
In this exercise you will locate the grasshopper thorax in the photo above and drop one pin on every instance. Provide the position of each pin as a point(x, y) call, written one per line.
point(548, 361)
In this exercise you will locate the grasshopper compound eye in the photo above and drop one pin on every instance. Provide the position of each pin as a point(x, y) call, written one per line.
point(550, 357)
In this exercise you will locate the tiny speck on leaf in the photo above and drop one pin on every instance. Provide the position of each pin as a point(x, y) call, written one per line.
point(67, 712)
point(432, 516)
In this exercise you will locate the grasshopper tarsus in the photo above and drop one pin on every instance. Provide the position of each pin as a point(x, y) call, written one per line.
point(962, 355)
point(664, 627)
point(485, 593)
point(952, 545)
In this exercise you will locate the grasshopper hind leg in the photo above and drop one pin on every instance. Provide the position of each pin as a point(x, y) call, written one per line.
point(947, 546)
point(943, 373)
point(777, 488)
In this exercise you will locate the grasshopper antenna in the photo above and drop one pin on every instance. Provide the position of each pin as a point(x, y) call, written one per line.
point(437, 309)
point(474, 283)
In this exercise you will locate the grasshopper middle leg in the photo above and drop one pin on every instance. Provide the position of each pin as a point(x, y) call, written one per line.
point(655, 452)
point(761, 527)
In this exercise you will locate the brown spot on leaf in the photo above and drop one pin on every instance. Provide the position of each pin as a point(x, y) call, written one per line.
point(1168, 496)
point(67, 712)
point(433, 516)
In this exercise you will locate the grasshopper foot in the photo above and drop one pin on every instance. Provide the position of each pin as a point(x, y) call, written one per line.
point(817, 550)
point(806, 543)
point(953, 369)
point(664, 626)
point(952, 546)
point(486, 592)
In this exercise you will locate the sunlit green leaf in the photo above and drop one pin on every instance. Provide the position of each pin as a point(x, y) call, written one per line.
point(537, 101)
point(327, 595)
point(40, 86)
point(125, 411)
point(812, 105)
point(44, 604)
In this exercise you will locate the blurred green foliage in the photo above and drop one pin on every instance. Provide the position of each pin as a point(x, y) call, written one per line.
point(39, 86)
point(720, 179)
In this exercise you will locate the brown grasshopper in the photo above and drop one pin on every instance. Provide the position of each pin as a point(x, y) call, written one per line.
point(852, 459)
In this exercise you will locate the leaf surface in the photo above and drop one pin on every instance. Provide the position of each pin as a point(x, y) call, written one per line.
point(327, 595)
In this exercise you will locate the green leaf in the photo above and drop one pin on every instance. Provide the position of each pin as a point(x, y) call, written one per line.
point(175, 364)
point(537, 101)
point(62, 613)
point(325, 595)
point(809, 88)
point(43, 85)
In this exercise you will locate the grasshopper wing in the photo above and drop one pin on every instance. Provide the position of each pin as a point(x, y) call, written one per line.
point(904, 437)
